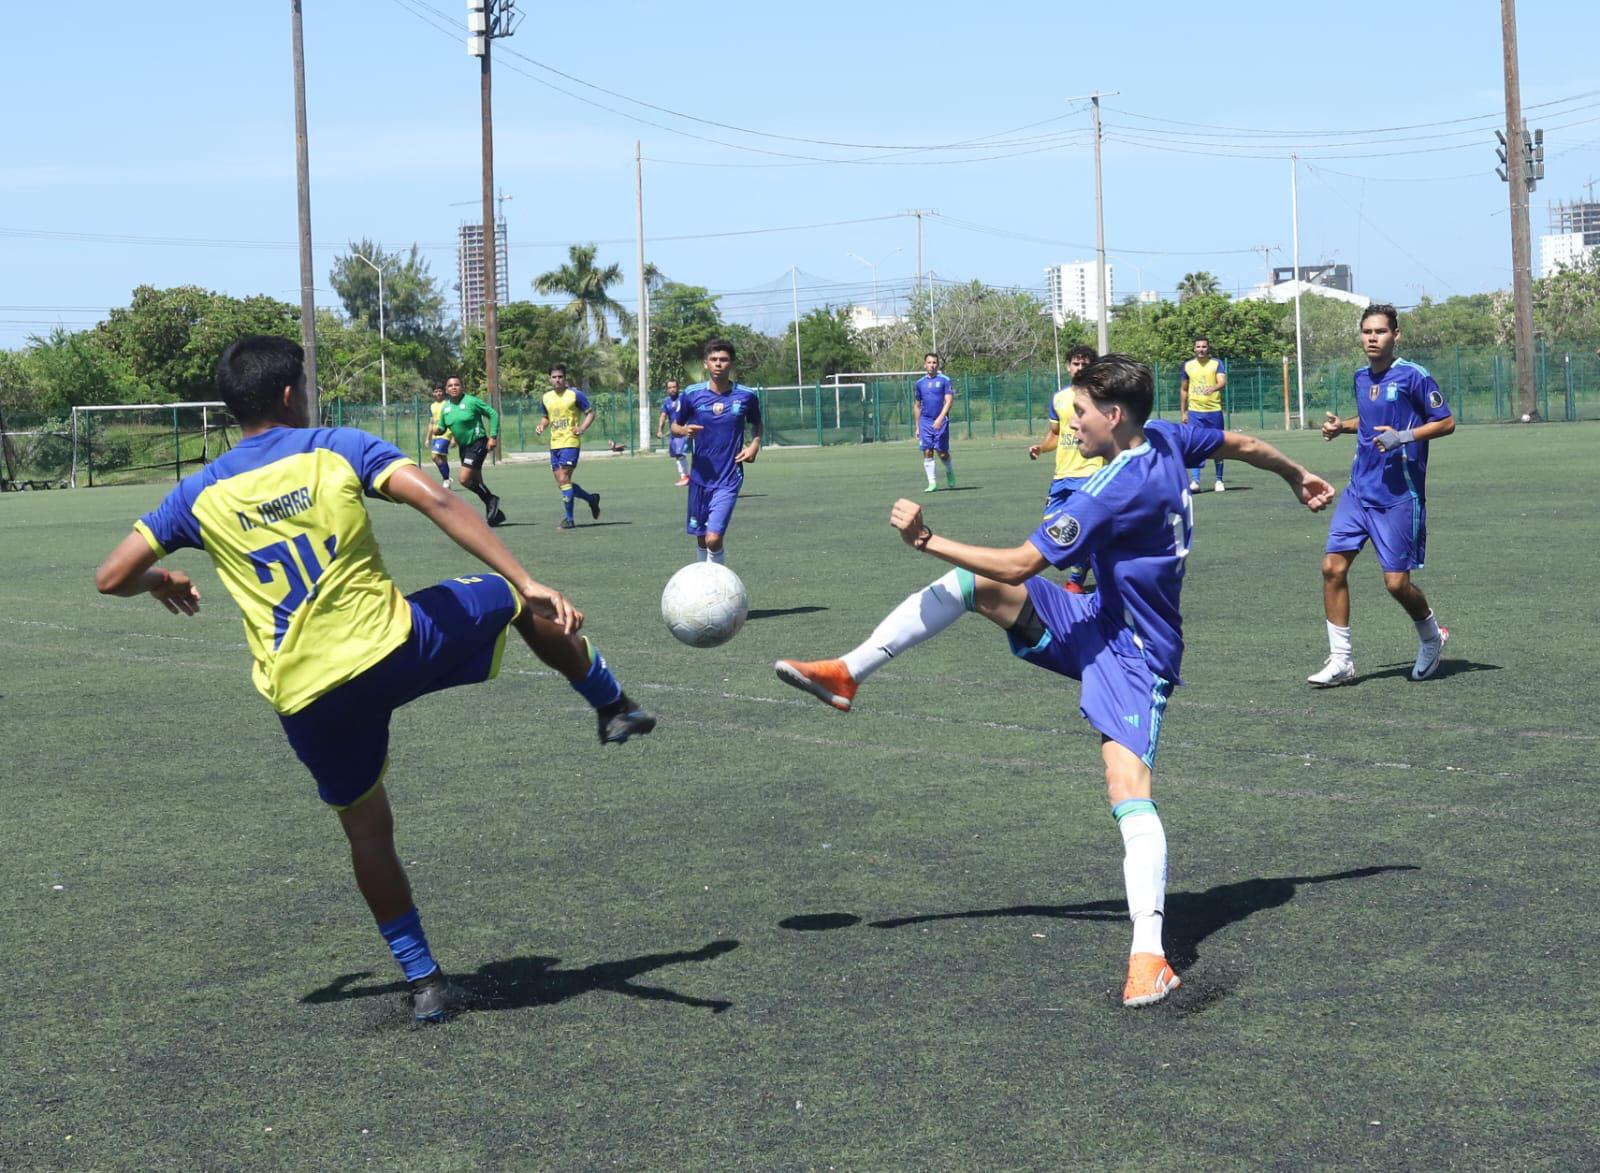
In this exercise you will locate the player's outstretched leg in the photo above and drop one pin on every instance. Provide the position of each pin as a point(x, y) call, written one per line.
point(1144, 873)
point(921, 616)
point(590, 676)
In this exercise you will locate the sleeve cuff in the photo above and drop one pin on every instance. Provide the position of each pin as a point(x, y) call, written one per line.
point(382, 479)
point(145, 532)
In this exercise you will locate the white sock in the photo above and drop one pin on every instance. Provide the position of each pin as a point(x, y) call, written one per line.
point(1339, 645)
point(1144, 871)
point(927, 467)
point(700, 553)
point(1427, 629)
point(924, 614)
point(718, 556)
point(683, 467)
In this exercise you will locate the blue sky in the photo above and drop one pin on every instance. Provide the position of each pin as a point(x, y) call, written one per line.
point(153, 143)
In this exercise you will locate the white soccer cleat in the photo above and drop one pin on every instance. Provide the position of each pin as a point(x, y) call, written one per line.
point(1332, 674)
point(1219, 487)
point(1429, 655)
point(1194, 486)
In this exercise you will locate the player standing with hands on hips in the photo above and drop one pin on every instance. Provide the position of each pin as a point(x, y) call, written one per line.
point(713, 414)
point(1399, 408)
point(337, 647)
point(933, 398)
point(1134, 523)
point(1200, 391)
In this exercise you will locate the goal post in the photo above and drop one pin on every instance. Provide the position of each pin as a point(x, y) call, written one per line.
point(126, 443)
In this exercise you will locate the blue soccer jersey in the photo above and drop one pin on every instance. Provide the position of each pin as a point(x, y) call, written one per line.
point(722, 418)
point(1134, 522)
point(1404, 396)
point(931, 390)
point(669, 405)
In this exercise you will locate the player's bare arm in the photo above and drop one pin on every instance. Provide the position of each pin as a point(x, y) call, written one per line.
point(1313, 491)
point(469, 531)
point(944, 412)
point(1010, 566)
point(131, 570)
point(1051, 441)
point(748, 454)
point(585, 423)
point(1334, 427)
point(1428, 431)
point(687, 429)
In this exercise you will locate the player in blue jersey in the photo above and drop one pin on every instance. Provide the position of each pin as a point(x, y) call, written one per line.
point(1399, 408)
point(714, 415)
point(932, 398)
point(337, 647)
point(1134, 522)
point(677, 446)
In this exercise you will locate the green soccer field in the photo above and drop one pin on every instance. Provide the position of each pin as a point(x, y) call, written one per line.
point(774, 936)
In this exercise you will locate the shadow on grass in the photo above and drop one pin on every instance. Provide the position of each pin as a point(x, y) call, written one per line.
point(1191, 917)
point(779, 612)
point(1447, 669)
point(519, 983)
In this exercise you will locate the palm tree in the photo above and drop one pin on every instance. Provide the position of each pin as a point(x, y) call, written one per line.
point(580, 280)
point(1197, 285)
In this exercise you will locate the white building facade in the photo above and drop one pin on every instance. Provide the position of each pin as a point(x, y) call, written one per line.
point(1072, 292)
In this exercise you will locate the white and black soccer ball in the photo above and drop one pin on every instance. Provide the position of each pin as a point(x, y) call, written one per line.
point(704, 604)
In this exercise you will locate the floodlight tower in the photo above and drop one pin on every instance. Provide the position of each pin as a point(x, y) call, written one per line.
point(486, 20)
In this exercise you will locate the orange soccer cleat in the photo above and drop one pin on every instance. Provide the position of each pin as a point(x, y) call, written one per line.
point(827, 680)
point(1150, 979)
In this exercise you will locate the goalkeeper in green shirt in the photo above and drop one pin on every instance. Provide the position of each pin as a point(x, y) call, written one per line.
point(476, 428)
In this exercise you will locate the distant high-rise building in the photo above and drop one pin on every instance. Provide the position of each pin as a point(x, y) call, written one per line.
point(1072, 292)
point(1574, 232)
point(469, 269)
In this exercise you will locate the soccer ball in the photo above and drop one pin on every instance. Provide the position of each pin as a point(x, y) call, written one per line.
point(704, 604)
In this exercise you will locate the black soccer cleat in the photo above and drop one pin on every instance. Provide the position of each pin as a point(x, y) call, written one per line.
point(497, 519)
point(434, 999)
point(622, 719)
point(594, 506)
point(566, 523)
point(491, 506)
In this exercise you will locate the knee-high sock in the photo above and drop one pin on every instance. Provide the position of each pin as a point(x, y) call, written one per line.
point(482, 490)
point(444, 469)
point(920, 616)
point(600, 687)
point(577, 491)
point(683, 466)
point(719, 555)
point(1144, 870)
point(1218, 463)
point(927, 467)
point(409, 944)
point(949, 468)
point(701, 554)
point(566, 500)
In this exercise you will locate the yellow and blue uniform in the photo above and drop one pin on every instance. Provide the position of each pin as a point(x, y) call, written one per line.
point(336, 645)
point(1071, 463)
point(565, 410)
point(437, 440)
point(1206, 381)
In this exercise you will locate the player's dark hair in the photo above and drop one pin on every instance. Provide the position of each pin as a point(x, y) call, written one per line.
point(934, 355)
point(1119, 379)
point(717, 344)
point(1200, 338)
point(254, 370)
point(1082, 351)
point(554, 367)
point(1383, 309)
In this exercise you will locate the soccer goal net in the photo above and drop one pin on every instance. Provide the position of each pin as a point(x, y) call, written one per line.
point(127, 443)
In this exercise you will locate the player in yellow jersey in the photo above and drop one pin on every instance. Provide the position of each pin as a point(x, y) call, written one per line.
point(439, 435)
point(337, 647)
point(1200, 401)
point(1073, 468)
point(563, 406)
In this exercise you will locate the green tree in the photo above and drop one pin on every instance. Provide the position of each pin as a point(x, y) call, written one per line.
point(413, 305)
point(981, 328)
point(1566, 305)
point(587, 285)
point(61, 371)
point(532, 339)
point(1199, 284)
point(1330, 329)
point(1457, 321)
point(683, 318)
point(827, 343)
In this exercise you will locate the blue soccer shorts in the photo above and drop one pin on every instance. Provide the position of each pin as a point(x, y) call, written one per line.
point(1399, 532)
point(931, 440)
point(440, 445)
point(678, 446)
point(1206, 419)
point(710, 508)
point(564, 457)
point(1061, 490)
point(458, 633)
point(1121, 697)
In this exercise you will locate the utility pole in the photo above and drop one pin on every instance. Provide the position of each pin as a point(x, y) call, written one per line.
point(1104, 329)
point(919, 213)
point(1519, 181)
point(383, 363)
point(486, 20)
point(302, 168)
point(1299, 349)
point(642, 326)
point(794, 291)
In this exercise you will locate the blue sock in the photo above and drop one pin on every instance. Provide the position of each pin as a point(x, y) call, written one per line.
point(409, 944)
point(1077, 574)
point(600, 688)
point(444, 471)
point(1194, 475)
point(577, 491)
point(566, 500)
point(1218, 463)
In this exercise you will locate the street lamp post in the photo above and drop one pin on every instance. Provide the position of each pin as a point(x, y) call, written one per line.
point(383, 366)
point(877, 308)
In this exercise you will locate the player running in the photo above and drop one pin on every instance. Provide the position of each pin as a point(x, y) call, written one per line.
point(562, 405)
point(439, 436)
point(337, 647)
point(932, 398)
point(1134, 522)
point(713, 414)
point(475, 427)
point(1200, 401)
point(1073, 468)
point(677, 446)
point(1399, 408)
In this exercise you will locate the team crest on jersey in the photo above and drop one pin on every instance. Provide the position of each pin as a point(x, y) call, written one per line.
point(1435, 398)
point(718, 408)
point(1391, 393)
point(1065, 531)
point(1372, 392)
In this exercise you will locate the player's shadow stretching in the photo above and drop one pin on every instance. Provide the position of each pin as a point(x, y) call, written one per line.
point(1191, 917)
point(778, 612)
point(519, 983)
point(1446, 668)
